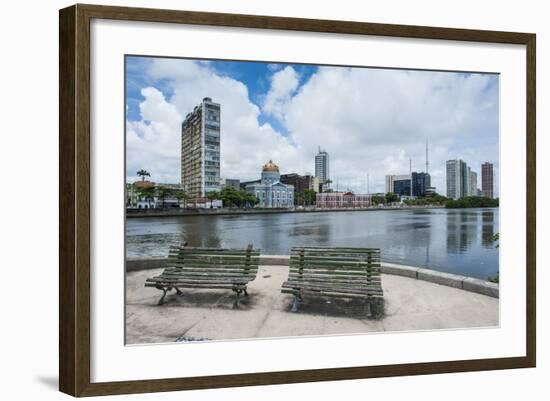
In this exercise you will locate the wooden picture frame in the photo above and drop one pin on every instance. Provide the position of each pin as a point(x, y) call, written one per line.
point(74, 199)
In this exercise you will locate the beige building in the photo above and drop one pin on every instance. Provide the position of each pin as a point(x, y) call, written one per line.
point(200, 150)
point(332, 200)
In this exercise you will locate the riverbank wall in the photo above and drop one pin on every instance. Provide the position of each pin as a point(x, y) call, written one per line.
point(227, 211)
point(418, 273)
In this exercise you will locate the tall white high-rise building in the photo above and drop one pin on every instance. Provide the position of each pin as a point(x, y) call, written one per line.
point(200, 149)
point(458, 178)
point(322, 166)
point(473, 184)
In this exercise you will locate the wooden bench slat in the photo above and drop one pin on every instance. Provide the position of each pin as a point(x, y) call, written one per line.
point(183, 281)
point(214, 262)
point(222, 259)
point(209, 266)
point(226, 286)
point(331, 262)
point(337, 271)
point(325, 278)
point(334, 277)
point(351, 290)
point(189, 267)
point(313, 283)
point(210, 249)
point(185, 268)
point(214, 254)
point(335, 290)
point(334, 267)
point(200, 274)
point(335, 249)
point(331, 294)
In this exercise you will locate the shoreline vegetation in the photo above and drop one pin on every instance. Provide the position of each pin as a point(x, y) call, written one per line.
point(169, 201)
point(171, 212)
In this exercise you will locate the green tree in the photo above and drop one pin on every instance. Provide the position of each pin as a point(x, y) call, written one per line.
point(310, 196)
point(143, 173)
point(298, 198)
point(471, 202)
point(163, 193)
point(212, 196)
point(230, 197)
point(391, 197)
point(378, 199)
point(181, 196)
point(326, 185)
point(148, 194)
point(248, 199)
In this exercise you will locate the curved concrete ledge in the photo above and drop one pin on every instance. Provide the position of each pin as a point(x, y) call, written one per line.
point(448, 279)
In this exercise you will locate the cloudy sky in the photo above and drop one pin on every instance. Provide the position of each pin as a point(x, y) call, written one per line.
point(370, 121)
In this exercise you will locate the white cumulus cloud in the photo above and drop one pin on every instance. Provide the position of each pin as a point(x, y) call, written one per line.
point(371, 121)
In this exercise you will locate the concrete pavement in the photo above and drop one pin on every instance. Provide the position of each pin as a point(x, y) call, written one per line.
point(410, 304)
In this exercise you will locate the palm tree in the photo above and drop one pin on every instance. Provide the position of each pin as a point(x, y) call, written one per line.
point(326, 185)
point(143, 173)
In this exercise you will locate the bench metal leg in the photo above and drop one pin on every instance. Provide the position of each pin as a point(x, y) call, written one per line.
point(164, 291)
point(369, 309)
point(178, 292)
point(245, 292)
point(236, 303)
point(297, 302)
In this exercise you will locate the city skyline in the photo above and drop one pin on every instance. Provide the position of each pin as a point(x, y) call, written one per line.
point(277, 111)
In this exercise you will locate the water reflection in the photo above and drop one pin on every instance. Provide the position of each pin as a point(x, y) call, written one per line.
point(487, 228)
point(458, 241)
point(461, 230)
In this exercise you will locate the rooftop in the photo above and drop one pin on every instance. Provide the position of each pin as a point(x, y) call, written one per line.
point(410, 304)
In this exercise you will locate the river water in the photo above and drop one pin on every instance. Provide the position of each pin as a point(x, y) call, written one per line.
point(450, 240)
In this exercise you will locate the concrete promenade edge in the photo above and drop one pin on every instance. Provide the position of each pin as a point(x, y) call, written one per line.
point(447, 279)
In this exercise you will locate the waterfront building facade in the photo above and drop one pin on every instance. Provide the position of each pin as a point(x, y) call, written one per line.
point(487, 179)
point(342, 200)
point(200, 150)
point(420, 183)
point(231, 183)
point(301, 182)
point(270, 191)
point(399, 184)
point(322, 167)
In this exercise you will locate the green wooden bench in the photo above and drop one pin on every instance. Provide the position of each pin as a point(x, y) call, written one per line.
point(209, 268)
point(336, 272)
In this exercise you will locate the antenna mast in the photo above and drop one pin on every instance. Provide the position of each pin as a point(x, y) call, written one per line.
point(427, 156)
point(411, 174)
point(368, 187)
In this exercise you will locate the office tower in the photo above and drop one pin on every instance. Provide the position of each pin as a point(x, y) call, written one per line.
point(322, 166)
point(457, 179)
point(399, 184)
point(487, 179)
point(420, 183)
point(473, 183)
point(200, 150)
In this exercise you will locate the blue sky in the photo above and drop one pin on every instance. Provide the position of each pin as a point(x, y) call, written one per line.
point(255, 75)
point(371, 121)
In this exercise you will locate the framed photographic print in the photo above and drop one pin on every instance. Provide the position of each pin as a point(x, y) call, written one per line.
point(250, 200)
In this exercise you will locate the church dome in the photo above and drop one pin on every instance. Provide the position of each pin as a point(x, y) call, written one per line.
point(270, 166)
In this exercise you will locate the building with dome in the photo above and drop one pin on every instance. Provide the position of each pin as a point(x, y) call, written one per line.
point(270, 191)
